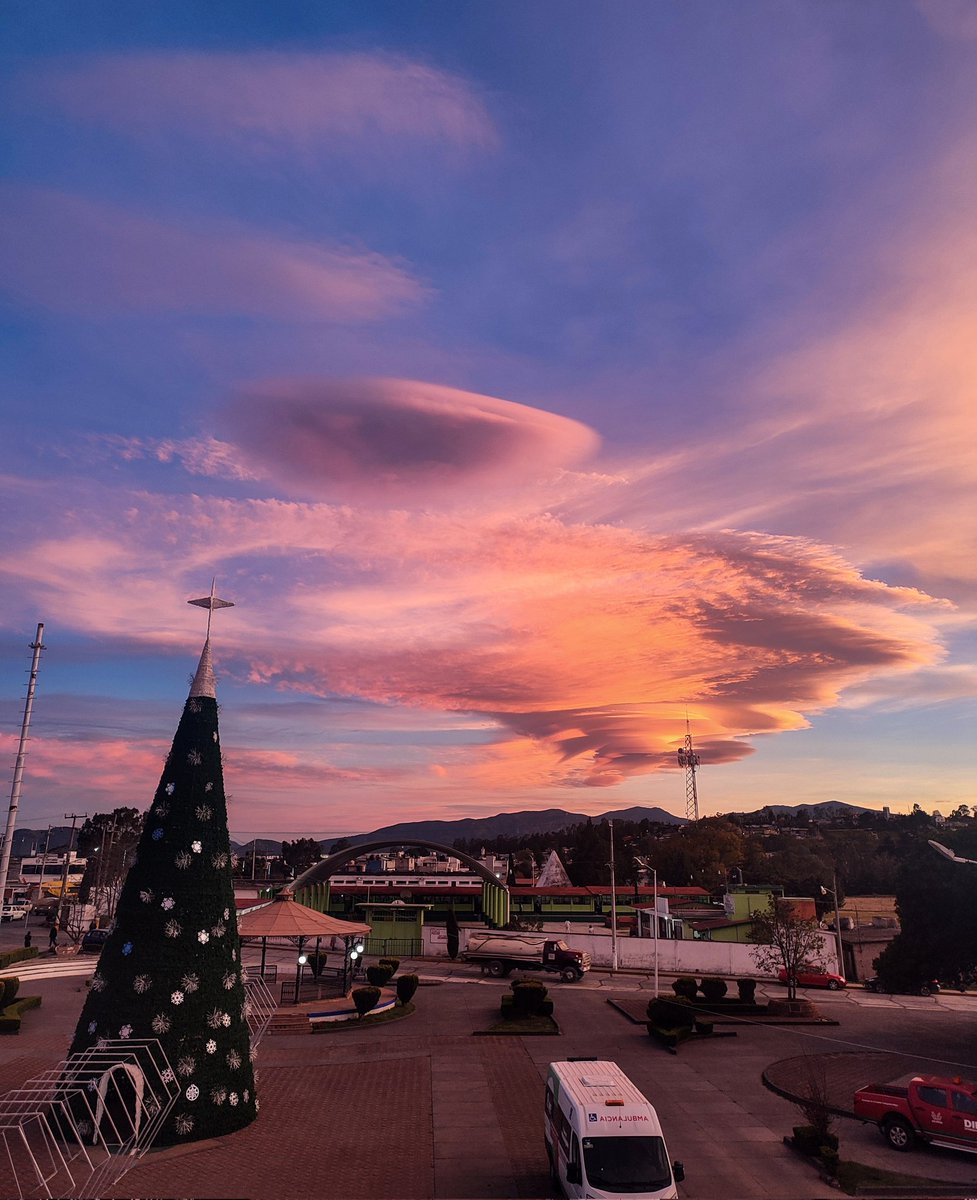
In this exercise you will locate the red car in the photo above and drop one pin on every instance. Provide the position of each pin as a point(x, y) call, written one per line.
point(808, 976)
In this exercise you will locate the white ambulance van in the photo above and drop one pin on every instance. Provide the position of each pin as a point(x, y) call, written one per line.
point(603, 1138)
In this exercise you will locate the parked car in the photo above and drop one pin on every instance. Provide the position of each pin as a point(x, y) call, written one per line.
point(928, 987)
point(929, 1108)
point(15, 910)
point(809, 976)
point(94, 940)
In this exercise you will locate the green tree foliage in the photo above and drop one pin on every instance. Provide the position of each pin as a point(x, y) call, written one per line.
point(786, 940)
point(108, 841)
point(589, 857)
point(301, 854)
point(936, 900)
point(171, 968)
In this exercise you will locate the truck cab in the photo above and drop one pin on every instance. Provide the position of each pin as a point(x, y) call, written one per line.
point(930, 1108)
point(603, 1138)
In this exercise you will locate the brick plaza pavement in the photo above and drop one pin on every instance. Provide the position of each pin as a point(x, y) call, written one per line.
point(420, 1108)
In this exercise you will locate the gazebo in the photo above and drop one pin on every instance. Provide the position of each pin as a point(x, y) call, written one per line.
point(285, 918)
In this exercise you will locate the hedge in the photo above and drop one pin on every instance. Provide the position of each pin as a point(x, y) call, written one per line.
point(11, 956)
point(10, 1016)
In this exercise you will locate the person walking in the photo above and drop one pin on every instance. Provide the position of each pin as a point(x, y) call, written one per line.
point(53, 938)
point(27, 940)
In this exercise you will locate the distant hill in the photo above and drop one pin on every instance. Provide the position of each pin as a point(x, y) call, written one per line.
point(265, 846)
point(819, 812)
point(517, 824)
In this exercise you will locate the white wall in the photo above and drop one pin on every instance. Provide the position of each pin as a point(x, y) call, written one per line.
point(728, 959)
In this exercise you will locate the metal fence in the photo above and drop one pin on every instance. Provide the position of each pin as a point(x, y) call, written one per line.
point(393, 947)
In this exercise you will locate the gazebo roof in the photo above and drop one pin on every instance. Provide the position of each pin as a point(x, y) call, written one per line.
point(285, 917)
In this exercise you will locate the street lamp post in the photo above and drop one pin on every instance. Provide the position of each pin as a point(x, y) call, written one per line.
point(838, 943)
point(655, 874)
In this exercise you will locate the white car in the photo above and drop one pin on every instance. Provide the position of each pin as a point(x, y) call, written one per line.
point(17, 910)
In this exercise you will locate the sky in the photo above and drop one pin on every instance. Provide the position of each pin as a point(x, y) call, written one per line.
point(532, 378)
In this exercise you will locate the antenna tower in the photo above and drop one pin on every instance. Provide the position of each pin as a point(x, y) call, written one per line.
point(689, 760)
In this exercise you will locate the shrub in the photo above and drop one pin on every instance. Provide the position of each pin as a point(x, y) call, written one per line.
point(365, 998)
point(392, 963)
point(685, 986)
point(747, 990)
point(316, 963)
point(379, 975)
point(8, 990)
point(829, 1160)
point(671, 1014)
point(528, 995)
point(10, 1017)
point(713, 989)
point(406, 987)
point(9, 957)
point(807, 1139)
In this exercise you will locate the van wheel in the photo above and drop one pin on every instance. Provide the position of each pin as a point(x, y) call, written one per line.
point(898, 1134)
point(496, 969)
point(569, 974)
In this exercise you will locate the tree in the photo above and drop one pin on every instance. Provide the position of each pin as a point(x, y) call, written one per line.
point(171, 968)
point(108, 841)
point(928, 886)
point(785, 940)
point(453, 932)
point(301, 854)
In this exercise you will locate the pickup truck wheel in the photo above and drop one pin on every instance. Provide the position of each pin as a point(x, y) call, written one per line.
point(570, 975)
point(496, 969)
point(898, 1133)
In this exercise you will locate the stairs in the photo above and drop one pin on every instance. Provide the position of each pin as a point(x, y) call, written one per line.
point(285, 1021)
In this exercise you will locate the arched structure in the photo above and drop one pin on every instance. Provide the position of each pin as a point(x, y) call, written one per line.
point(495, 892)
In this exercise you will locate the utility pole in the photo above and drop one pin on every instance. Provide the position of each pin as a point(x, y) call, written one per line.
point(67, 858)
point(40, 884)
point(37, 645)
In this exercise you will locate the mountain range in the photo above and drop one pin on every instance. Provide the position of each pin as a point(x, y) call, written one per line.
point(513, 824)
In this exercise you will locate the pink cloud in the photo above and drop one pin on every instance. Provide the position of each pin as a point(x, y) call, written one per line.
point(269, 100)
point(395, 439)
point(69, 254)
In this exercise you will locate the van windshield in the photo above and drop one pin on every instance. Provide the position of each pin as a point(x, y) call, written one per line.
point(627, 1164)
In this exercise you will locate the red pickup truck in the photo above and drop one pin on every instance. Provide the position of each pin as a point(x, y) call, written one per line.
point(940, 1111)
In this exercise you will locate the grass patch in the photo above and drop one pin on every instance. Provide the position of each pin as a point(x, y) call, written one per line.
point(855, 1176)
point(392, 1014)
point(524, 1026)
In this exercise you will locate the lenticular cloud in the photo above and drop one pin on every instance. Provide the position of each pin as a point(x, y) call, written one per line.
point(394, 439)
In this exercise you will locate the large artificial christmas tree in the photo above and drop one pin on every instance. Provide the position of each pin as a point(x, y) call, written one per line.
point(171, 968)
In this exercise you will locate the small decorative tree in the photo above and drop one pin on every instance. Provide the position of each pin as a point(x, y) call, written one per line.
point(451, 928)
point(365, 998)
point(406, 987)
point(785, 940)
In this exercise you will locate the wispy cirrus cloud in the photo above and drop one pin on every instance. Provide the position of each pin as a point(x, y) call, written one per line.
point(71, 254)
point(268, 102)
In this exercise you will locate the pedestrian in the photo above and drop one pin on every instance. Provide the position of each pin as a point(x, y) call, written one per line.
point(53, 938)
point(27, 940)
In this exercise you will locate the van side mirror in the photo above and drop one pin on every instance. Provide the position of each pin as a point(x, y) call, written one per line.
point(678, 1170)
point(574, 1174)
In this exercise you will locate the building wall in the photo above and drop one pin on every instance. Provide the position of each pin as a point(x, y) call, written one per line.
point(674, 957)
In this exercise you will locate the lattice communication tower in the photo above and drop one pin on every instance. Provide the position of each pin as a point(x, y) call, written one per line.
point(689, 760)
